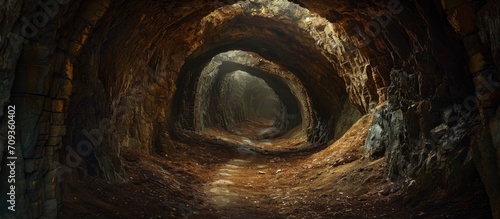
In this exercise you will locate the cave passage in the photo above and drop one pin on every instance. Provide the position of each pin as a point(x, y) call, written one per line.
point(250, 109)
point(260, 105)
point(247, 103)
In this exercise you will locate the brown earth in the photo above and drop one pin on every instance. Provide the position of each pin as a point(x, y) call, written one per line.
point(210, 181)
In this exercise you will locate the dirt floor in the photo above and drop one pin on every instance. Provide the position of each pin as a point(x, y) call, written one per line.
point(261, 136)
point(210, 181)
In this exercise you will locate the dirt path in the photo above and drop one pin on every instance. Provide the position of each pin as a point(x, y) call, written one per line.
point(207, 181)
point(233, 185)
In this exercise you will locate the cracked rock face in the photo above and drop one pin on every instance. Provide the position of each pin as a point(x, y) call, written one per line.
point(273, 77)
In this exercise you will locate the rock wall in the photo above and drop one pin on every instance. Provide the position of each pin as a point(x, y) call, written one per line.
point(93, 77)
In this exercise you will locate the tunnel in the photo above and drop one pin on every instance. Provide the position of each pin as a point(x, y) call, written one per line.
point(249, 109)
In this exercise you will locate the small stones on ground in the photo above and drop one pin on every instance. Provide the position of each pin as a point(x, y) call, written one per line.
point(393, 188)
point(278, 171)
point(262, 172)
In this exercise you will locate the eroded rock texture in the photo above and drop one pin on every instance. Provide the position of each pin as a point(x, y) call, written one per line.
point(91, 79)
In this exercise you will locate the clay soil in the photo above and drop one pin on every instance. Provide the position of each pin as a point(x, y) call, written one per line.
point(199, 180)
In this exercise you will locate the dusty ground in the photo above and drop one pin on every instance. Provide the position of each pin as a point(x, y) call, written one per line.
point(208, 181)
point(261, 136)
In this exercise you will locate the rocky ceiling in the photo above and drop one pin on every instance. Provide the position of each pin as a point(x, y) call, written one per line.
point(99, 86)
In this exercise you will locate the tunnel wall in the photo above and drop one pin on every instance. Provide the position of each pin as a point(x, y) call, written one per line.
point(69, 78)
point(43, 56)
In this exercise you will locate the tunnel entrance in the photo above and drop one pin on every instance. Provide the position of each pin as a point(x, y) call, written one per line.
point(248, 106)
point(286, 51)
point(250, 103)
point(242, 99)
